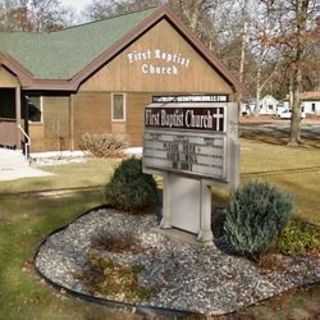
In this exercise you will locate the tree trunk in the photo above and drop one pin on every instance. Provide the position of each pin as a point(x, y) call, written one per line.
point(301, 17)
point(291, 92)
point(295, 130)
point(258, 92)
point(243, 52)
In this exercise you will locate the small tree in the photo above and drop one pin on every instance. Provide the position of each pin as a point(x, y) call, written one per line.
point(257, 214)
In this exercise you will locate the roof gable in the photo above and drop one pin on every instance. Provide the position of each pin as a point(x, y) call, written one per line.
point(270, 97)
point(68, 66)
point(61, 55)
point(160, 60)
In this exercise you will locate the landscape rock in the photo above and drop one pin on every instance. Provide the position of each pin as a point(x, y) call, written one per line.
point(186, 276)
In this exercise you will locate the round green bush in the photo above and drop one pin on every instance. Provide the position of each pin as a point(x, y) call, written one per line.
point(257, 214)
point(299, 238)
point(130, 189)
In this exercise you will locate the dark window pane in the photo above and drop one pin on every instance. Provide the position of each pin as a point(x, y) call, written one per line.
point(118, 107)
point(7, 103)
point(35, 109)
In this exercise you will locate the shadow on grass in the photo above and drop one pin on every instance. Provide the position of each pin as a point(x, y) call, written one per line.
point(279, 137)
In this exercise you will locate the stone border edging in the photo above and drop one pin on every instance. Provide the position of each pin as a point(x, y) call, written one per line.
point(142, 309)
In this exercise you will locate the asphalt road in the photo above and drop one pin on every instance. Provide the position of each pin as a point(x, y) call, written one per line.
point(310, 131)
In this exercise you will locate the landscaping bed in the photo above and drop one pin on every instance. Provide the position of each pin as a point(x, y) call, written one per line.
point(112, 255)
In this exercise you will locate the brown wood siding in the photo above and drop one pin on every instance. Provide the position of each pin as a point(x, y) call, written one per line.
point(54, 133)
point(135, 116)
point(121, 75)
point(8, 133)
point(91, 114)
point(7, 80)
point(36, 132)
point(119, 128)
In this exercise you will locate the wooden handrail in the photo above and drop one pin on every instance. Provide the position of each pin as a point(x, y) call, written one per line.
point(27, 145)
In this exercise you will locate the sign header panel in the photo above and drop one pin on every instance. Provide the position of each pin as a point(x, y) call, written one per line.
point(187, 139)
point(190, 99)
point(188, 118)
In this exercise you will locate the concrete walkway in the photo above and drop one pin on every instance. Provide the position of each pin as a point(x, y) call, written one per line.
point(14, 166)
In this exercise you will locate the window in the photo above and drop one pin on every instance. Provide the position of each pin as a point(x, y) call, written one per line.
point(270, 107)
point(118, 107)
point(8, 103)
point(35, 109)
point(313, 107)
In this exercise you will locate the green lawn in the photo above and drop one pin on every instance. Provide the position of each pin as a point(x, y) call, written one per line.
point(258, 157)
point(77, 175)
point(26, 219)
point(296, 170)
point(23, 224)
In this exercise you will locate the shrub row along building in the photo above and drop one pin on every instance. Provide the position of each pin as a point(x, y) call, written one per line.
point(98, 78)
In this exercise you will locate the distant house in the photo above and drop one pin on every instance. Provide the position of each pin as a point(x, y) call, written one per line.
point(248, 106)
point(268, 105)
point(310, 102)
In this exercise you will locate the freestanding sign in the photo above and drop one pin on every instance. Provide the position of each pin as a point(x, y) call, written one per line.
point(192, 145)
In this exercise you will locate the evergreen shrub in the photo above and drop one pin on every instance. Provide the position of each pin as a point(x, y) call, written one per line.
point(256, 215)
point(130, 189)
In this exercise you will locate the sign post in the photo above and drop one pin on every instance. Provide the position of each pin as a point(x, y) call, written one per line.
point(192, 146)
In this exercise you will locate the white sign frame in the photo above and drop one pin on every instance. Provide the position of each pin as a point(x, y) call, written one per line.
point(231, 179)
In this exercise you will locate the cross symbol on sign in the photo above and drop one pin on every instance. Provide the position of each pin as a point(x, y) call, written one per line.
point(218, 116)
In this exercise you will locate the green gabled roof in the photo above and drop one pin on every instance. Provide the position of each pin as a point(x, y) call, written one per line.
point(61, 55)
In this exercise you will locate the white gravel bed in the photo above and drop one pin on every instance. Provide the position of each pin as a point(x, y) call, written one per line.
point(188, 276)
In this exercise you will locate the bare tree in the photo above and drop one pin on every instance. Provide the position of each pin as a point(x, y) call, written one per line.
point(34, 15)
point(100, 9)
point(293, 21)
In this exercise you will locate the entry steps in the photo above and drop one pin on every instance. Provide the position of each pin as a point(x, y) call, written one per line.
point(13, 166)
point(12, 159)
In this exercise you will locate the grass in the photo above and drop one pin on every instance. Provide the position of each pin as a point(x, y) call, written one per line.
point(23, 224)
point(77, 175)
point(296, 170)
point(262, 158)
point(26, 219)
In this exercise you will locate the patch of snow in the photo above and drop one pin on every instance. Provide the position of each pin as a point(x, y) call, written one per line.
point(12, 173)
point(134, 152)
point(54, 158)
point(14, 166)
point(59, 154)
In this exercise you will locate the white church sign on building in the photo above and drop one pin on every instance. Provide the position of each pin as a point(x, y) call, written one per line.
point(159, 62)
point(192, 145)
